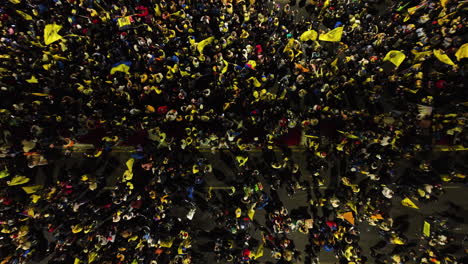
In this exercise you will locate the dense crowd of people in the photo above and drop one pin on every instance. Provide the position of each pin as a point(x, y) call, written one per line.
point(361, 85)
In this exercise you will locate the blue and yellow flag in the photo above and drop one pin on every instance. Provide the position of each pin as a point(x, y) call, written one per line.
point(123, 66)
point(333, 35)
point(124, 21)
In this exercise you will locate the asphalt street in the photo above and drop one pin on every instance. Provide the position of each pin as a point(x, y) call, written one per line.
point(110, 167)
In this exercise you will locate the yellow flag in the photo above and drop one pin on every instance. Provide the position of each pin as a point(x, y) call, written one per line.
point(225, 68)
point(255, 82)
point(124, 21)
point(462, 52)
point(289, 46)
point(419, 55)
point(309, 35)
point(326, 3)
point(51, 33)
point(348, 135)
point(252, 64)
point(123, 66)
point(333, 36)
point(414, 9)
point(129, 164)
point(157, 10)
point(92, 256)
point(167, 243)
point(443, 3)
point(179, 14)
point(18, 180)
point(150, 108)
point(334, 63)
point(4, 173)
point(396, 57)
point(251, 214)
point(31, 189)
point(35, 198)
point(24, 15)
point(443, 57)
point(238, 212)
point(259, 252)
point(427, 229)
point(39, 94)
point(15, 1)
point(408, 203)
point(202, 44)
point(33, 79)
point(242, 160)
point(377, 217)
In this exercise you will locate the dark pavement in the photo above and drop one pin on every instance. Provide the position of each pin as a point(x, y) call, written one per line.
point(452, 204)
